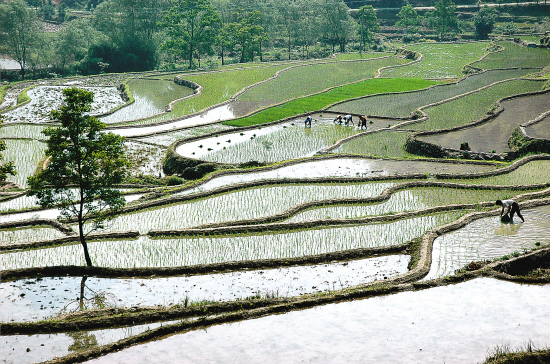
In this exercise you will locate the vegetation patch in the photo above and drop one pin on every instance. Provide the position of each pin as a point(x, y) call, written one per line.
point(325, 99)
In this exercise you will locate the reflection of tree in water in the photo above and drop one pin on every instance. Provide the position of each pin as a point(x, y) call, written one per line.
point(94, 301)
point(82, 340)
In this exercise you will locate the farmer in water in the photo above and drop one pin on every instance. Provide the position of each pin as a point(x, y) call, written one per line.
point(308, 121)
point(513, 208)
point(348, 119)
point(363, 122)
point(338, 120)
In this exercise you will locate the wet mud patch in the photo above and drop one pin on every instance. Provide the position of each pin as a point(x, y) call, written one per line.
point(494, 134)
point(540, 130)
point(39, 298)
point(146, 159)
point(47, 98)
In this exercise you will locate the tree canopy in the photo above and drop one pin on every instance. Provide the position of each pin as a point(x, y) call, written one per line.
point(84, 165)
point(443, 19)
point(484, 21)
point(20, 31)
point(192, 27)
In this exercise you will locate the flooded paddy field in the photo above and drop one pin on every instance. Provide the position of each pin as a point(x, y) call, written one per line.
point(151, 97)
point(186, 251)
point(40, 298)
point(277, 142)
point(42, 347)
point(220, 113)
point(291, 261)
point(403, 104)
point(451, 324)
point(342, 167)
point(494, 134)
point(487, 239)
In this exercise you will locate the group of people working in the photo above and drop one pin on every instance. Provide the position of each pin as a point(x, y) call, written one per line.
point(511, 206)
point(346, 120)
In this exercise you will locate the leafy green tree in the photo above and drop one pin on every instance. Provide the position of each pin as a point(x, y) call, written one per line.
point(369, 23)
point(84, 165)
point(484, 21)
point(131, 27)
point(72, 42)
point(246, 33)
point(338, 27)
point(19, 31)
point(191, 26)
point(409, 18)
point(6, 168)
point(443, 19)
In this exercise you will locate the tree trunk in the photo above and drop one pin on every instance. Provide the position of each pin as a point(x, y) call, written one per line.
point(84, 245)
point(81, 231)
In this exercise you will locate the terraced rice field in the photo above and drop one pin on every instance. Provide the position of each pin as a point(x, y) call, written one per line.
point(341, 231)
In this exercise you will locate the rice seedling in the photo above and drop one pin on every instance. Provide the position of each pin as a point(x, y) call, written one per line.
point(147, 252)
point(472, 107)
point(19, 203)
point(325, 99)
point(534, 172)
point(28, 234)
point(401, 105)
point(315, 78)
point(515, 55)
point(239, 205)
point(269, 144)
point(382, 144)
point(218, 87)
point(26, 154)
point(47, 98)
point(440, 60)
point(485, 239)
point(356, 56)
point(28, 131)
point(408, 200)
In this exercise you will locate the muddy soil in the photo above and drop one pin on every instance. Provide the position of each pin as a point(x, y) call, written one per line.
point(39, 298)
point(494, 134)
point(540, 130)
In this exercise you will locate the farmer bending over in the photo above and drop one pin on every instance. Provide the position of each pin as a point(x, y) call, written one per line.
point(348, 119)
point(338, 120)
point(363, 122)
point(308, 121)
point(513, 208)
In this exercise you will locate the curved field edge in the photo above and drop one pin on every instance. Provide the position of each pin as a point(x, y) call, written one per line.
point(242, 310)
point(329, 97)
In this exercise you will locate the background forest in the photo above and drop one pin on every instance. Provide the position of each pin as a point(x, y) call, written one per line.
point(50, 38)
